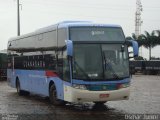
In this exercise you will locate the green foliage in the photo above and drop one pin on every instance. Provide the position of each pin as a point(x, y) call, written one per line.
point(139, 58)
point(155, 58)
point(148, 40)
point(3, 59)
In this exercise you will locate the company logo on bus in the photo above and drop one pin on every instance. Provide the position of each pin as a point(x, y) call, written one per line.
point(97, 33)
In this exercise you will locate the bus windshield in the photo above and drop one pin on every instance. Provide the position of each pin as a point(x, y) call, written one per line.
point(100, 61)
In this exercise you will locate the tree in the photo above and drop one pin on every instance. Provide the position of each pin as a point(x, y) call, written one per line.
point(158, 37)
point(149, 41)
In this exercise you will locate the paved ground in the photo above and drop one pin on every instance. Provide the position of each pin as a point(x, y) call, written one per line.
point(144, 99)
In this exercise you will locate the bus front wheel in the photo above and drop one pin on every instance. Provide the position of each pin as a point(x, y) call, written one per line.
point(53, 96)
point(100, 102)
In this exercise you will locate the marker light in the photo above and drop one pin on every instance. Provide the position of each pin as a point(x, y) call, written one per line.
point(83, 87)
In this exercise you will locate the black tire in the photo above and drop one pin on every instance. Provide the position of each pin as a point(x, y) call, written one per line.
point(19, 91)
point(144, 72)
point(100, 102)
point(53, 96)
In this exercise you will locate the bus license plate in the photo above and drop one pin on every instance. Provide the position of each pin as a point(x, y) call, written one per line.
point(103, 95)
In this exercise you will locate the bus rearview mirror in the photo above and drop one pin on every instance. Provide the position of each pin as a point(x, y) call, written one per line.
point(135, 47)
point(69, 45)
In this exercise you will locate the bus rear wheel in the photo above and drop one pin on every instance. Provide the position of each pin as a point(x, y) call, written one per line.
point(53, 96)
point(19, 91)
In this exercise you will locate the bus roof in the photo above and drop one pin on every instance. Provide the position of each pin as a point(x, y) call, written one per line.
point(64, 24)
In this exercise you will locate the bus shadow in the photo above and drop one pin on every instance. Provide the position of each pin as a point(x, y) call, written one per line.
point(93, 111)
point(70, 111)
point(88, 107)
point(76, 107)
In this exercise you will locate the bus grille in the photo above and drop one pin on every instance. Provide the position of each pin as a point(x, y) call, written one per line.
point(101, 87)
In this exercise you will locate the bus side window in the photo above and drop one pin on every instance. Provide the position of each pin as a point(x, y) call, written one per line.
point(66, 70)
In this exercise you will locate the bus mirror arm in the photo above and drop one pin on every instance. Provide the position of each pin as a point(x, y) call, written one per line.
point(69, 58)
point(130, 56)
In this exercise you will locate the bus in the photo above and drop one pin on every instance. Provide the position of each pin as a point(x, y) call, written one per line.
point(72, 61)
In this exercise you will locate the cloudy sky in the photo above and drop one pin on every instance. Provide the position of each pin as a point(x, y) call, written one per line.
point(40, 13)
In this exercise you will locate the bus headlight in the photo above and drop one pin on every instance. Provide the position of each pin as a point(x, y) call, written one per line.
point(77, 86)
point(124, 85)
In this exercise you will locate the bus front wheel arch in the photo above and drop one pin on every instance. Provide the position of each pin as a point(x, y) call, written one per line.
point(53, 96)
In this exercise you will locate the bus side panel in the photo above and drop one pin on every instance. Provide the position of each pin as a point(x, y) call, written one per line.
point(22, 77)
point(39, 84)
point(35, 82)
point(30, 80)
point(11, 78)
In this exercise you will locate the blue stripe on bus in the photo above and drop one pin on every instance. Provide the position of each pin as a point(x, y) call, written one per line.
point(126, 80)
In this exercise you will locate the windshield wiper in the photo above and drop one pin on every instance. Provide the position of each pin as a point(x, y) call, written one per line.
point(84, 73)
point(110, 67)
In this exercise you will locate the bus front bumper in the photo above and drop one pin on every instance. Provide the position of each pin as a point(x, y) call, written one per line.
point(78, 95)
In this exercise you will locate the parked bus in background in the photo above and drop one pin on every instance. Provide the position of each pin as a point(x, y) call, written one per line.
point(151, 67)
point(71, 61)
point(3, 66)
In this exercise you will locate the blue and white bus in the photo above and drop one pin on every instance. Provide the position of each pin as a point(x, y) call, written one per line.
point(71, 61)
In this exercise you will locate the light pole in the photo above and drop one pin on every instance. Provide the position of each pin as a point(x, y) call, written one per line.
point(18, 19)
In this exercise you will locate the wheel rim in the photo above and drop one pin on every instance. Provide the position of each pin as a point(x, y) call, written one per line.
point(55, 95)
